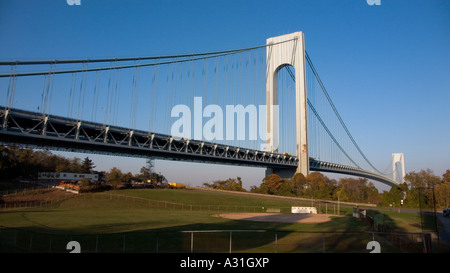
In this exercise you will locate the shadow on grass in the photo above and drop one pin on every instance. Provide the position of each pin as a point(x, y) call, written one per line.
point(341, 234)
point(204, 234)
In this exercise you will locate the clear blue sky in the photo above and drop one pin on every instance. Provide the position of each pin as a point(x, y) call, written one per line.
point(386, 67)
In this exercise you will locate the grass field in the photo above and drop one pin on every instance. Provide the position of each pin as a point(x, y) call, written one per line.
point(143, 220)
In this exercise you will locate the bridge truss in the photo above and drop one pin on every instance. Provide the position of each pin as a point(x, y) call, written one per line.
point(38, 130)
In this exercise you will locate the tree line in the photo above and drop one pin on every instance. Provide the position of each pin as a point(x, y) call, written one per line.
point(26, 163)
point(421, 189)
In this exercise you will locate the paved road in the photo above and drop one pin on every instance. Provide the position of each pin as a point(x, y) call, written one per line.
point(444, 235)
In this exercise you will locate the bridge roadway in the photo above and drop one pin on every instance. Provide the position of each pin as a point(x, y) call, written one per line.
point(55, 132)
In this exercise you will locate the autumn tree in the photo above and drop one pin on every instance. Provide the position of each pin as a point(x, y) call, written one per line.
point(273, 182)
point(446, 177)
point(320, 186)
point(422, 179)
point(419, 186)
point(114, 177)
point(352, 189)
point(299, 183)
point(442, 194)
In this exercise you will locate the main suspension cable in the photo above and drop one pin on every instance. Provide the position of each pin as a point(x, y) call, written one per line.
point(336, 112)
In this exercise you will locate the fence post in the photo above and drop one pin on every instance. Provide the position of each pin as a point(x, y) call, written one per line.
point(157, 242)
point(231, 239)
point(323, 242)
point(192, 242)
point(276, 242)
point(123, 250)
point(96, 243)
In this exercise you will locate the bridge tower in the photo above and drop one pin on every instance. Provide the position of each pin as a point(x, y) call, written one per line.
point(287, 50)
point(398, 158)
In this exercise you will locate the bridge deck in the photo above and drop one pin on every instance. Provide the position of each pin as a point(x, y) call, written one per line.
point(36, 129)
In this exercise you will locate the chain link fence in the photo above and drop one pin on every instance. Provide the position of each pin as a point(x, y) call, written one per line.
point(322, 207)
point(215, 241)
point(262, 241)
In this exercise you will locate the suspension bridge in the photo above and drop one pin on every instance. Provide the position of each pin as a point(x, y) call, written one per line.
point(263, 106)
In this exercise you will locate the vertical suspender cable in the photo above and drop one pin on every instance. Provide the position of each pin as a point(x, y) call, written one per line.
point(82, 93)
point(72, 94)
point(96, 95)
point(11, 87)
point(117, 98)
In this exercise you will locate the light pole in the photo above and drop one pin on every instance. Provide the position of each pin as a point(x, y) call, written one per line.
point(338, 195)
point(435, 216)
point(420, 210)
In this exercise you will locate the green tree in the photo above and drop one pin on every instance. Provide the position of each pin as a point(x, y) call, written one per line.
point(87, 166)
point(16, 162)
point(286, 188)
point(261, 189)
point(75, 165)
point(85, 184)
point(230, 184)
point(421, 187)
point(7, 162)
point(373, 196)
point(158, 177)
point(147, 170)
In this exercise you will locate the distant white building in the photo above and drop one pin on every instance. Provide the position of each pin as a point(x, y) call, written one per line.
point(61, 176)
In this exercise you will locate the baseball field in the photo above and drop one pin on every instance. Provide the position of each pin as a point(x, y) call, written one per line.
point(163, 220)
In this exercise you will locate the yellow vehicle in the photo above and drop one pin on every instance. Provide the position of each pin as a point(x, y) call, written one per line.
point(173, 185)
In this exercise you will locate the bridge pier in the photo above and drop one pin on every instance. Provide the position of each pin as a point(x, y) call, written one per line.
point(282, 172)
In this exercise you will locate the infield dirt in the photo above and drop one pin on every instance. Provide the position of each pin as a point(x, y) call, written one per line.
point(278, 217)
